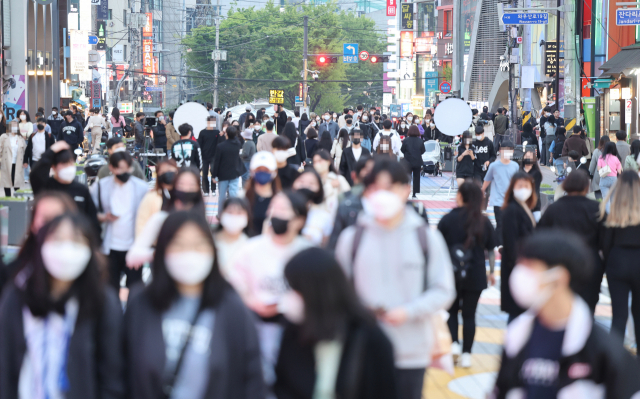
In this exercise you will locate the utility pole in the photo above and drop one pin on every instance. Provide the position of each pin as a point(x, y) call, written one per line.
point(556, 88)
point(217, 58)
point(526, 59)
point(458, 49)
point(305, 53)
point(571, 79)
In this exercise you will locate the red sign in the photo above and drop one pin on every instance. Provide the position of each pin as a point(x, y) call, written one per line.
point(147, 56)
point(424, 44)
point(119, 72)
point(147, 30)
point(363, 55)
point(406, 43)
point(391, 8)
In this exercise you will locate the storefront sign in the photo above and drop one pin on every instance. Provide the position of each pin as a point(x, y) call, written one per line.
point(103, 10)
point(126, 108)
point(117, 53)
point(431, 85)
point(102, 35)
point(147, 30)
point(550, 58)
point(79, 43)
point(85, 15)
point(276, 96)
point(424, 45)
point(391, 8)
point(627, 111)
point(147, 56)
point(626, 17)
point(407, 16)
point(406, 44)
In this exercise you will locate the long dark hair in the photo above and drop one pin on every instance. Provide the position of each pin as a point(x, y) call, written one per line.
point(344, 135)
point(88, 287)
point(474, 224)
point(603, 141)
point(250, 189)
point(162, 291)
point(330, 300)
point(324, 154)
point(508, 196)
point(534, 165)
point(635, 149)
point(115, 112)
point(325, 141)
point(198, 207)
point(249, 120)
point(290, 132)
point(242, 203)
point(318, 196)
point(609, 149)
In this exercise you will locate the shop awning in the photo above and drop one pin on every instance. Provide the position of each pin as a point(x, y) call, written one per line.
point(602, 83)
point(622, 63)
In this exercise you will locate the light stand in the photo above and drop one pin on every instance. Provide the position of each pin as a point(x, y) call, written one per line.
point(452, 179)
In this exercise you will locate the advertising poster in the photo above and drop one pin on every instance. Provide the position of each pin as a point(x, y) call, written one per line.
point(14, 98)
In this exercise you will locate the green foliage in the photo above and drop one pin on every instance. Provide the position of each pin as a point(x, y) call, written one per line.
point(447, 72)
point(264, 51)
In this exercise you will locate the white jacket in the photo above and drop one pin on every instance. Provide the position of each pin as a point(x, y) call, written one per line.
point(389, 273)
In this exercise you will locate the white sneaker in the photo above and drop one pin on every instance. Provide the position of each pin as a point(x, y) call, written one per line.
point(456, 351)
point(465, 360)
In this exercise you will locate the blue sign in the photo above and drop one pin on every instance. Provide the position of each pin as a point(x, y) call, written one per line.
point(153, 88)
point(445, 87)
point(525, 18)
point(350, 53)
point(405, 108)
point(630, 16)
point(93, 39)
point(96, 102)
point(431, 85)
point(395, 110)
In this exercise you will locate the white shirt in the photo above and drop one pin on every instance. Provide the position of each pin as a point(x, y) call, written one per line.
point(396, 143)
point(357, 152)
point(13, 139)
point(124, 226)
point(295, 121)
point(39, 145)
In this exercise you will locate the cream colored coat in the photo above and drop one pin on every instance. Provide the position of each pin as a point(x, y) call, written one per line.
point(6, 157)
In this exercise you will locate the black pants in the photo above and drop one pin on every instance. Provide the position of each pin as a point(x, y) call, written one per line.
point(497, 211)
point(117, 265)
point(469, 305)
point(619, 288)
point(416, 179)
point(409, 383)
point(7, 191)
point(207, 165)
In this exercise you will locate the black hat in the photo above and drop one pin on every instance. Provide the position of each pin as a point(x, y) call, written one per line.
point(479, 130)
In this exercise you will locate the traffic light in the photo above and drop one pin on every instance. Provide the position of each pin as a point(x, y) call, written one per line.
point(326, 59)
point(378, 58)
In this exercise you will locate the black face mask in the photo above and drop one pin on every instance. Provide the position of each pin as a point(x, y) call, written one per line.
point(279, 226)
point(356, 141)
point(528, 161)
point(166, 178)
point(124, 177)
point(186, 197)
point(310, 195)
point(349, 121)
point(40, 126)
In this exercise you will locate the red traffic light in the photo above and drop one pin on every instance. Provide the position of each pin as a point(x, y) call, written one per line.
point(326, 59)
point(322, 59)
point(374, 59)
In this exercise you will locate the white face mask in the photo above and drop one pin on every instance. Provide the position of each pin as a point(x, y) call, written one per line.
point(410, 119)
point(161, 118)
point(65, 260)
point(189, 267)
point(14, 129)
point(522, 194)
point(68, 173)
point(382, 205)
point(313, 124)
point(281, 156)
point(432, 125)
point(23, 117)
point(524, 284)
point(402, 125)
point(292, 307)
point(233, 224)
point(55, 112)
point(365, 118)
point(327, 117)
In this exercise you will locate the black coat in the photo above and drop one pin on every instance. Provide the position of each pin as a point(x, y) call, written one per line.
point(95, 364)
point(366, 368)
point(516, 226)
point(413, 148)
point(580, 215)
point(348, 162)
point(302, 125)
point(537, 179)
point(346, 216)
point(71, 133)
point(234, 369)
point(159, 135)
point(281, 121)
point(28, 152)
point(465, 167)
point(621, 249)
point(227, 164)
point(311, 145)
point(208, 141)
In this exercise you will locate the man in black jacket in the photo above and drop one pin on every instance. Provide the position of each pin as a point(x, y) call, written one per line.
point(186, 151)
point(208, 141)
point(62, 161)
point(351, 155)
point(78, 116)
point(160, 132)
point(71, 131)
point(556, 349)
point(243, 116)
point(55, 122)
point(485, 154)
point(227, 165)
point(281, 119)
point(139, 130)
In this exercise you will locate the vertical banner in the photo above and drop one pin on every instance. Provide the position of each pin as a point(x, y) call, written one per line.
point(406, 43)
point(79, 43)
point(407, 16)
point(85, 15)
point(147, 56)
point(103, 10)
point(147, 30)
point(391, 8)
point(156, 63)
point(102, 35)
point(14, 98)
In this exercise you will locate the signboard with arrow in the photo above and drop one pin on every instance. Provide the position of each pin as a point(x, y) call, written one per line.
point(350, 53)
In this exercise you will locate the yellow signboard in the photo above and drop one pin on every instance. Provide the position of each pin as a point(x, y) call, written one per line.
point(276, 96)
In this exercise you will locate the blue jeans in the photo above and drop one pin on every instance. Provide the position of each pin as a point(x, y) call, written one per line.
point(366, 143)
point(605, 186)
point(245, 177)
point(223, 185)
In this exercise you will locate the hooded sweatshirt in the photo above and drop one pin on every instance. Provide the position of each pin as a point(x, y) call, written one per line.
point(388, 272)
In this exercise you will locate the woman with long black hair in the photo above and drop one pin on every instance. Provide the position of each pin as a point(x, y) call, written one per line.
point(339, 144)
point(232, 232)
point(297, 144)
point(262, 186)
point(468, 234)
point(60, 325)
point(325, 142)
point(530, 165)
point(188, 335)
point(332, 346)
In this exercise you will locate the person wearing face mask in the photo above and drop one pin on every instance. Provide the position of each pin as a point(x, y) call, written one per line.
point(71, 131)
point(529, 136)
point(386, 131)
point(154, 200)
point(61, 327)
point(24, 123)
point(248, 125)
point(55, 122)
point(257, 132)
point(466, 159)
point(13, 160)
point(187, 334)
point(530, 166)
point(339, 144)
point(557, 335)
point(377, 120)
point(114, 145)
point(265, 140)
point(208, 141)
point(376, 254)
point(517, 224)
point(319, 221)
point(352, 154)
point(430, 130)
point(59, 159)
point(262, 186)
point(159, 132)
point(485, 154)
point(286, 172)
point(297, 153)
point(118, 197)
point(248, 151)
point(96, 123)
point(413, 148)
point(259, 270)
point(334, 185)
point(138, 130)
point(329, 336)
point(498, 177)
point(231, 234)
point(367, 129)
point(38, 143)
point(328, 125)
point(311, 144)
point(228, 166)
point(402, 128)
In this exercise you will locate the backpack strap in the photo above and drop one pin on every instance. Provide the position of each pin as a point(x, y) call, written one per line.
point(357, 237)
point(424, 246)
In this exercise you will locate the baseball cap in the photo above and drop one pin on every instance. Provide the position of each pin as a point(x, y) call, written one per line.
point(264, 159)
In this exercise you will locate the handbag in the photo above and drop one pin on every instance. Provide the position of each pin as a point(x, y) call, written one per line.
point(604, 171)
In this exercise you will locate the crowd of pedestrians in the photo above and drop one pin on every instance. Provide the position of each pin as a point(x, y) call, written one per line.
point(319, 278)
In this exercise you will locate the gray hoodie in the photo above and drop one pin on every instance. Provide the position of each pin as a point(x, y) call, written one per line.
point(389, 273)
